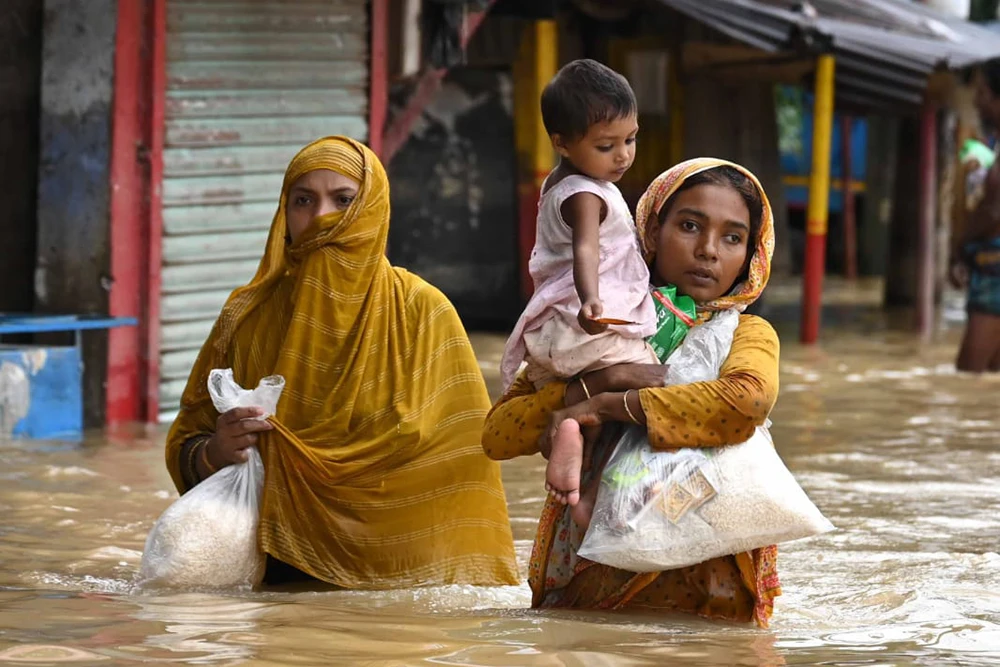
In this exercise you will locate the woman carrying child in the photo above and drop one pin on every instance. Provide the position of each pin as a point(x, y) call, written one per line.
point(706, 228)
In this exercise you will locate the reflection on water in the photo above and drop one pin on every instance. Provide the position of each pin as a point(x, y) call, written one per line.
point(898, 450)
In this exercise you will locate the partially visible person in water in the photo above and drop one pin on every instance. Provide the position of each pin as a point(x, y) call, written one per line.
point(975, 265)
point(374, 474)
point(705, 227)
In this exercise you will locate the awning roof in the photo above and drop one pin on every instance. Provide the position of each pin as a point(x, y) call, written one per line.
point(886, 49)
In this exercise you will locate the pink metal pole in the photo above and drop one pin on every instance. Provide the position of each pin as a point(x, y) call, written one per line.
point(928, 218)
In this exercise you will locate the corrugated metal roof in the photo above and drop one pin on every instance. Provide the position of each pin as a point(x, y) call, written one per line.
point(885, 49)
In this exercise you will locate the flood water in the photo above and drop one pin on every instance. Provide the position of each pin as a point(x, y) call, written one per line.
point(900, 452)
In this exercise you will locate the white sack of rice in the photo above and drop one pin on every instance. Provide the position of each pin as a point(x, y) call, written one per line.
point(753, 501)
point(659, 511)
point(208, 537)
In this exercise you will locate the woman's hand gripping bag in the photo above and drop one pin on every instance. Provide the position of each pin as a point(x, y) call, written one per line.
point(660, 510)
point(208, 537)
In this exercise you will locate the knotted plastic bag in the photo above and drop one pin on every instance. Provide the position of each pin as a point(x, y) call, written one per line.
point(208, 537)
point(659, 510)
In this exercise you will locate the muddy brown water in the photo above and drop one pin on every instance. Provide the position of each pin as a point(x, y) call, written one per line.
point(896, 448)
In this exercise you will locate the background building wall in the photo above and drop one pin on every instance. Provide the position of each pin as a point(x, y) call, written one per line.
point(73, 194)
point(20, 66)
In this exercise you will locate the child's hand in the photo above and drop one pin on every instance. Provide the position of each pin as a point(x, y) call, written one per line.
point(591, 310)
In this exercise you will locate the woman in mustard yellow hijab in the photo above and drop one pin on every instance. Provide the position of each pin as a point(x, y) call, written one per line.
point(374, 473)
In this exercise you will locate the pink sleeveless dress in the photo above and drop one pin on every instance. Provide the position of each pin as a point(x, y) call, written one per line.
point(548, 335)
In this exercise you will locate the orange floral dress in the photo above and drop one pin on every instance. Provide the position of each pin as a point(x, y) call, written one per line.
point(740, 587)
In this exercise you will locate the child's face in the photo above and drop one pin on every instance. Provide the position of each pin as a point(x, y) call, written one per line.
point(702, 245)
point(606, 152)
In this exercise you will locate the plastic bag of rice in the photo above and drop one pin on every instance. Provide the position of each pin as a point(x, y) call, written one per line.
point(660, 510)
point(208, 537)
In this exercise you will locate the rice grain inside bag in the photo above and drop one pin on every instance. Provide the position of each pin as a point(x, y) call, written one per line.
point(660, 510)
point(208, 537)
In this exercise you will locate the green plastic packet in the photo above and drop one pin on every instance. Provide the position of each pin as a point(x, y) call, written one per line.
point(674, 316)
point(978, 151)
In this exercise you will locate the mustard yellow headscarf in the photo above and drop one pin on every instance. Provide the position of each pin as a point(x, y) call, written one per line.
point(374, 473)
point(666, 184)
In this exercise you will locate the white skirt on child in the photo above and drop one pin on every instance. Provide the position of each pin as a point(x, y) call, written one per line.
point(561, 349)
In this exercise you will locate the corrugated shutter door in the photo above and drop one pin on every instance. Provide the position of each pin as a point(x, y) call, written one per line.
point(248, 84)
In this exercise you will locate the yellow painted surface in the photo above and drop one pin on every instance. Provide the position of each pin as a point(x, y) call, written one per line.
point(536, 64)
point(835, 184)
point(819, 178)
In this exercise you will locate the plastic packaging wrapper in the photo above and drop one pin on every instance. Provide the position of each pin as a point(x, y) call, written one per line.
point(674, 318)
point(208, 537)
point(659, 510)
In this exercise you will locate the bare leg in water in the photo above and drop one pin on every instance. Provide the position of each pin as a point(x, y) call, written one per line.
point(980, 351)
point(583, 510)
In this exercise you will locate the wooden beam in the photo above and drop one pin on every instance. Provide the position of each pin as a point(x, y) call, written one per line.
point(401, 126)
point(742, 63)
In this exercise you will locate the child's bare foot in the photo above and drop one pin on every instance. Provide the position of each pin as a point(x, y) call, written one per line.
point(582, 512)
point(562, 476)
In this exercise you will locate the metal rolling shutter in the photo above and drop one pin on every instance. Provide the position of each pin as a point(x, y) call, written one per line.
point(248, 84)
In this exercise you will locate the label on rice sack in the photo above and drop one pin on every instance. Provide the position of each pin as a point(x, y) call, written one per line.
point(674, 316)
point(685, 495)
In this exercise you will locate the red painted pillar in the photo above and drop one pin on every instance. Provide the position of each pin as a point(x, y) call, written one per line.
point(928, 218)
point(378, 91)
point(128, 211)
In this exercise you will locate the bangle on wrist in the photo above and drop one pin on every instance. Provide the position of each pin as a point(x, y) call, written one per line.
point(204, 457)
point(628, 410)
point(191, 463)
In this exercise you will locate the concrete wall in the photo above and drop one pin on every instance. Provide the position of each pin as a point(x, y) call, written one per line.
point(73, 216)
point(20, 67)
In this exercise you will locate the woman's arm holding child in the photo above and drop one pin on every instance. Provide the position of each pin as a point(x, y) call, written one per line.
point(703, 414)
point(724, 411)
point(516, 424)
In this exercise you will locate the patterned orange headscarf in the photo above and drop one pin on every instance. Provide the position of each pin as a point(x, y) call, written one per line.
point(666, 184)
